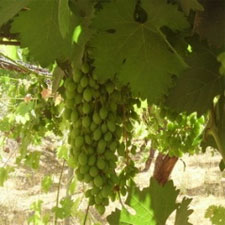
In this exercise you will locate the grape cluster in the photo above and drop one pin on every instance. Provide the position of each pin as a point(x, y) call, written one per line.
point(101, 116)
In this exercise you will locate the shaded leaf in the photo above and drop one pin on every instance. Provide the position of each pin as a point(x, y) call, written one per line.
point(39, 31)
point(183, 212)
point(64, 15)
point(125, 46)
point(9, 8)
point(188, 5)
point(198, 85)
point(58, 75)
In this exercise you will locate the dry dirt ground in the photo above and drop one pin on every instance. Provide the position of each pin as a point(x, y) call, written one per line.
point(197, 177)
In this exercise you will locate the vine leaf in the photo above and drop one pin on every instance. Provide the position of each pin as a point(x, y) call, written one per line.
point(216, 214)
point(197, 85)
point(58, 75)
point(9, 8)
point(138, 52)
point(46, 183)
point(208, 22)
point(4, 174)
point(64, 15)
point(38, 29)
point(187, 5)
point(153, 205)
point(183, 213)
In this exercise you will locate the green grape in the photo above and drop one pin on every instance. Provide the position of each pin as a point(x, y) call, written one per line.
point(87, 94)
point(96, 118)
point(77, 76)
point(101, 163)
point(86, 121)
point(113, 146)
point(108, 155)
point(92, 160)
point(108, 136)
point(69, 103)
point(71, 87)
point(85, 68)
point(111, 126)
point(104, 128)
point(109, 87)
point(84, 82)
point(79, 141)
point(98, 181)
point(93, 126)
point(77, 99)
point(82, 159)
point(106, 191)
point(95, 190)
point(101, 146)
point(93, 171)
point(80, 89)
point(87, 139)
point(87, 178)
point(98, 199)
point(103, 113)
point(90, 150)
point(97, 134)
point(84, 169)
point(74, 116)
point(99, 112)
point(86, 108)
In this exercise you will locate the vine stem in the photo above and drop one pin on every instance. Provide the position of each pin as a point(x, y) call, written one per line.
point(58, 189)
point(24, 68)
point(86, 214)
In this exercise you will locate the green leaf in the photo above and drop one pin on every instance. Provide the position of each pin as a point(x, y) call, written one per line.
point(38, 29)
point(5, 125)
point(4, 174)
point(9, 8)
point(33, 159)
point(153, 205)
point(58, 75)
point(198, 85)
point(63, 152)
point(65, 210)
point(187, 5)
point(46, 183)
point(216, 214)
point(64, 15)
point(163, 200)
point(183, 212)
point(138, 52)
point(24, 108)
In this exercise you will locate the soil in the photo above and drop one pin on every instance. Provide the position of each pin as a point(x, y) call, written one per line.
point(197, 177)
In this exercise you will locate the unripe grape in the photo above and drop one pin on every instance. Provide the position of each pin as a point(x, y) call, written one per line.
point(87, 94)
point(93, 171)
point(98, 181)
point(77, 76)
